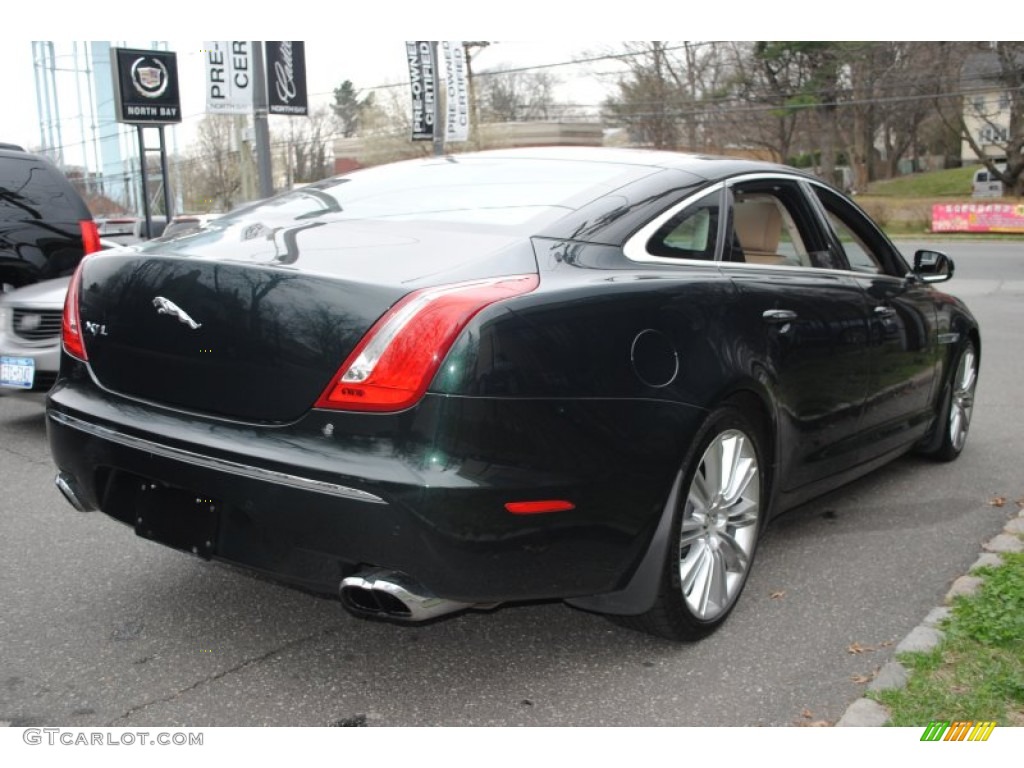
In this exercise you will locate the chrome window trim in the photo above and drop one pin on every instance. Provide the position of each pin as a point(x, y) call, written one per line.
point(219, 465)
point(635, 247)
point(728, 266)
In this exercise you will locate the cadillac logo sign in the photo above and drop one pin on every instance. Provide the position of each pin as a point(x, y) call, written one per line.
point(146, 86)
point(149, 76)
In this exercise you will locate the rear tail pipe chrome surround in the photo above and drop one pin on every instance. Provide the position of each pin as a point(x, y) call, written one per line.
point(383, 593)
point(67, 486)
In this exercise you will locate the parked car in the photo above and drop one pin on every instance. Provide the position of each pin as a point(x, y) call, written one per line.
point(187, 223)
point(583, 374)
point(30, 329)
point(130, 230)
point(984, 183)
point(45, 226)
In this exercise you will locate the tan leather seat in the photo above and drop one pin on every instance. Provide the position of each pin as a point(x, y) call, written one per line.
point(758, 225)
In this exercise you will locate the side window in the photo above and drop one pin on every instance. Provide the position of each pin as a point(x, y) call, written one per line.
point(864, 248)
point(858, 254)
point(690, 234)
point(771, 224)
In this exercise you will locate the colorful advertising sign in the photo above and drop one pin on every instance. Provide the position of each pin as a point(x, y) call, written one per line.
point(978, 217)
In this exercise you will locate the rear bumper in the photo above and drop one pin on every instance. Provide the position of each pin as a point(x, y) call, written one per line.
point(422, 492)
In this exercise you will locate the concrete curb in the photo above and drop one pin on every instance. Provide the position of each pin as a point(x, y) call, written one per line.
point(865, 712)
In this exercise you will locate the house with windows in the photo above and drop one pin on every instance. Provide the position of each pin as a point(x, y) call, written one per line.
point(986, 106)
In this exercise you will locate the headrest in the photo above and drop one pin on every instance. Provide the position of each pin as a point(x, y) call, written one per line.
point(758, 225)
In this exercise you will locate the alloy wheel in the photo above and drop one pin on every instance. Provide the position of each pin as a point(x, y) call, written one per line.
point(720, 525)
point(963, 399)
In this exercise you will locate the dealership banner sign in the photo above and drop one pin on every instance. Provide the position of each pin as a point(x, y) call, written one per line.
point(286, 77)
point(978, 217)
point(457, 123)
point(145, 86)
point(229, 77)
point(422, 66)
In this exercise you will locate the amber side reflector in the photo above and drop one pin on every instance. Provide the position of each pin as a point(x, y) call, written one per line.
point(539, 507)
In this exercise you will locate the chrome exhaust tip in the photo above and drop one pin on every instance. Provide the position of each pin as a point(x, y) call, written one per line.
point(382, 593)
point(66, 485)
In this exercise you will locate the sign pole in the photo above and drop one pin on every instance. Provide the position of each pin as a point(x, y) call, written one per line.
point(260, 121)
point(145, 182)
point(438, 111)
point(167, 178)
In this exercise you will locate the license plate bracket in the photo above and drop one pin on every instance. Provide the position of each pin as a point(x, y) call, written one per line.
point(178, 518)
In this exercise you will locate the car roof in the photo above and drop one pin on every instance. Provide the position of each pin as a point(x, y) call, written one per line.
point(704, 165)
point(14, 151)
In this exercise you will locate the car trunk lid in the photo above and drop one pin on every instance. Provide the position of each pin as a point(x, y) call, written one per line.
point(240, 341)
point(230, 333)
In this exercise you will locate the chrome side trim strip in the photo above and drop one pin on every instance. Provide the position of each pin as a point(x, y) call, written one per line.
point(221, 465)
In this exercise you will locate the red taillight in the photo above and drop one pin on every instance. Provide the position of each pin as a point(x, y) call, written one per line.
point(71, 327)
point(90, 235)
point(395, 362)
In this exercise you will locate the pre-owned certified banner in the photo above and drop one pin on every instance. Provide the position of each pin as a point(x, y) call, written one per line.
point(286, 78)
point(457, 123)
point(229, 79)
point(422, 66)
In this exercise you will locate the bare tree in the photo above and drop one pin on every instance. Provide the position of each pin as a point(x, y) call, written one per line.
point(213, 175)
point(507, 97)
point(765, 111)
point(648, 102)
point(308, 141)
point(675, 94)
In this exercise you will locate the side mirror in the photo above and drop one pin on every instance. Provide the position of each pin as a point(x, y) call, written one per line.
point(933, 266)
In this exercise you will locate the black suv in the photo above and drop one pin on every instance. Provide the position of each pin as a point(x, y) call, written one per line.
point(45, 226)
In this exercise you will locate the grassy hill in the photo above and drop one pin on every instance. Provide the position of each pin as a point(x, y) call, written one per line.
point(903, 206)
point(954, 182)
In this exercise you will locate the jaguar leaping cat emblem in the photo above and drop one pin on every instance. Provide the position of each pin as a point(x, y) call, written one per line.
point(168, 307)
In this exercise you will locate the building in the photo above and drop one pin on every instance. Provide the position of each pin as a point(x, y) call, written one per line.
point(987, 104)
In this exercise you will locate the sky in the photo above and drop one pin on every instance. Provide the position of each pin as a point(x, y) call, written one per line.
point(367, 64)
point(364, 42)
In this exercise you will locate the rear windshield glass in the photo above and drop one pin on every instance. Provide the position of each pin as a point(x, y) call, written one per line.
point(493, 191)
point(31, 190)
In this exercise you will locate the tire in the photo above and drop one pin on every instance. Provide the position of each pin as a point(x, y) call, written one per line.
point(955, 419)
point(722, 498)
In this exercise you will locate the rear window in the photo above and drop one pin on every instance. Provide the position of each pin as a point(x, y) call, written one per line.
point(498, 192)
point(30, 189)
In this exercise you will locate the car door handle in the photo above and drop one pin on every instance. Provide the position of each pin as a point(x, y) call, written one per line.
point(778, 316)
point(883, 311)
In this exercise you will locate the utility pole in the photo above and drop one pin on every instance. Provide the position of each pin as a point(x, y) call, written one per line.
point(471, 46)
